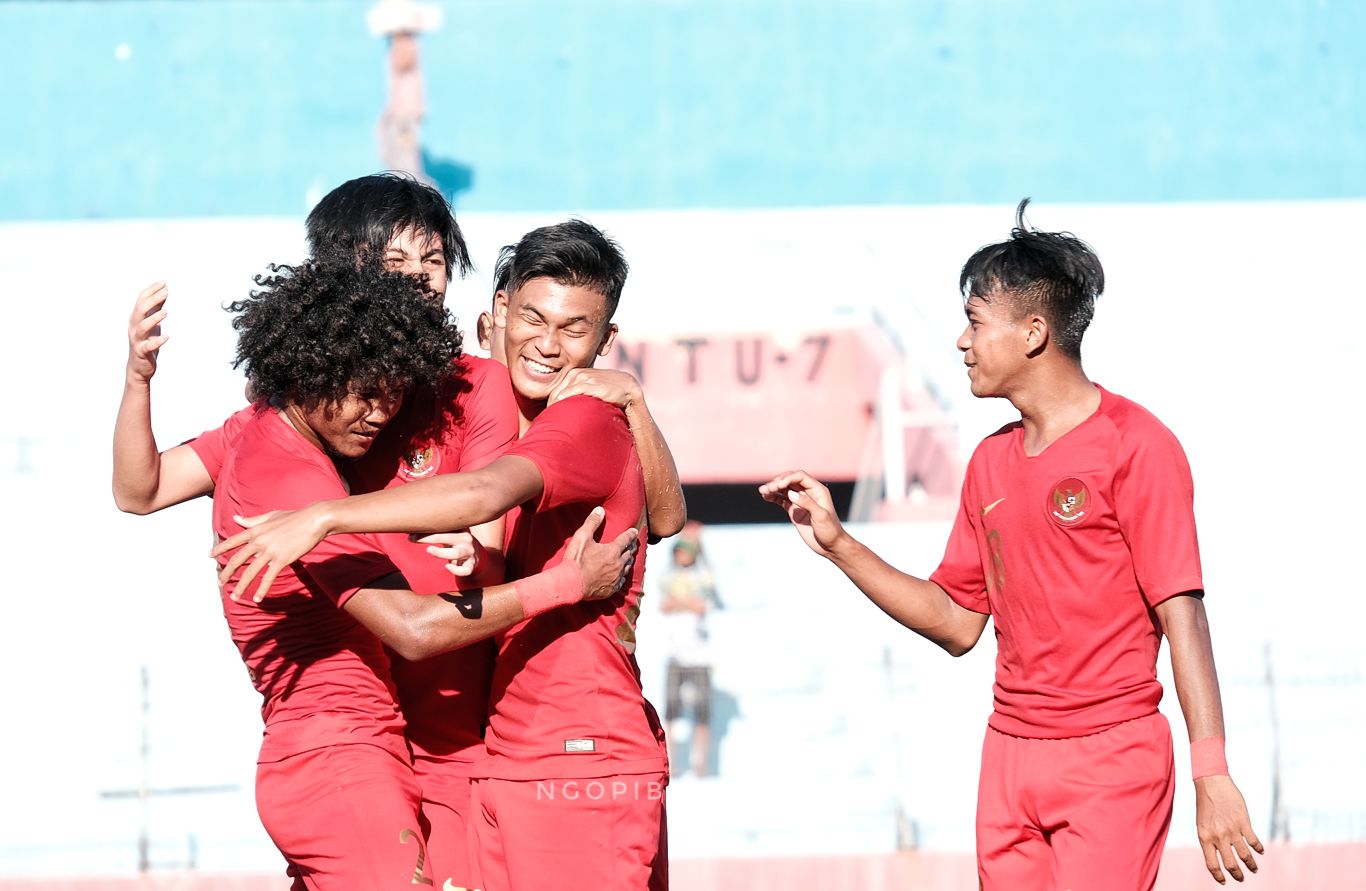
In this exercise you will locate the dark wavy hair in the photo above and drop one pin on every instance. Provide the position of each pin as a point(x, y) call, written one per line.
point(1055, 274)
point(360, 217)
point(312, 333)
point(574, 252)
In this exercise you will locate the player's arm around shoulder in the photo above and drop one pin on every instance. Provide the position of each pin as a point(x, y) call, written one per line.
point(1222, 823)
point(917, 603)
point(667, 508)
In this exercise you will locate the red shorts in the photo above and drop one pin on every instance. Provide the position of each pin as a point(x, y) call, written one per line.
point(1091, 812)
point(601, 834)
point(446, 808)
point(345, 817)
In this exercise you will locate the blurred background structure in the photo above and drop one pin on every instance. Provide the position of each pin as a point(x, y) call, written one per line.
point(796, 184)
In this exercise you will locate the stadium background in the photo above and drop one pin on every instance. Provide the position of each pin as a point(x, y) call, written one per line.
point(773, 169)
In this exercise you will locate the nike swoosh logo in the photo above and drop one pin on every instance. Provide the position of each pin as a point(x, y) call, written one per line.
point(986, 509)
point(451, 886)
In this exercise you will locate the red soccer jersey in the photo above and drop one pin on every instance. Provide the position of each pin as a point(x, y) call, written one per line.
point(1069, 551)
point(445, 698)
point(566, 699)
point(323, 677)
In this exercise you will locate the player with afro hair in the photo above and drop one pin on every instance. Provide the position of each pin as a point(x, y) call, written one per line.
point(313, 333)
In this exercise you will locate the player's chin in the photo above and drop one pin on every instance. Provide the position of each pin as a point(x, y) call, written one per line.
point(354, 446)
point(980, 388)
point(533, 388)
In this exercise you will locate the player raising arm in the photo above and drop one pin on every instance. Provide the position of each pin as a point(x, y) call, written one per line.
point(145, 478)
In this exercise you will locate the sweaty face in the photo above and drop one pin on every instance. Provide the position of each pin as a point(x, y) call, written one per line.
point(995, 344)
point(418, 252)
point(549, 328)
point(348, 427)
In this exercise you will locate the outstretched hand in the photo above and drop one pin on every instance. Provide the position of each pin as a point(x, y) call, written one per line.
point(145, 339)
point(271, 542)
point(1224, 828)
point(809, 507)
point(606, 566)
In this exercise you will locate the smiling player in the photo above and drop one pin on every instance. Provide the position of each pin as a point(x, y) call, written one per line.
point(1076, 534)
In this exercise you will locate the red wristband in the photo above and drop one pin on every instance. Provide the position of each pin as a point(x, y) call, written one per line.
point(559, 585)
point(1207, 758)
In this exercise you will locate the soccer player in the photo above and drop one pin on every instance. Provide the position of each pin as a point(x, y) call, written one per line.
point(1076, 534)
point(332, 352)
point(444, 699)
point(668, 511)
point(405, 225)
point(572, 792)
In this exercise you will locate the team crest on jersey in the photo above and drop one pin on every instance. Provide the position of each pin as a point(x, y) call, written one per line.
point(1068, 505)
point(420, 463)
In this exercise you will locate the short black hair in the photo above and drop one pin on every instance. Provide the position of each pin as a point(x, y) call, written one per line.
point(362, 215)
point(1053, 273)
point(312, 333)
point(572, 253)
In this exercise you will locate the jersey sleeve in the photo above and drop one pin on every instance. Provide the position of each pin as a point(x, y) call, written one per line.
point(212, 445)
point(1155, 505)
point(489, 414)
point(341, 564)
point(960, 573)
point(582, 447)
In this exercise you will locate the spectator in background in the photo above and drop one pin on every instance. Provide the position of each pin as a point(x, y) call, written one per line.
point(688, 592)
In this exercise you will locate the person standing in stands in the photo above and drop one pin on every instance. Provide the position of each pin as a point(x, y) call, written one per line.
point(687, 593)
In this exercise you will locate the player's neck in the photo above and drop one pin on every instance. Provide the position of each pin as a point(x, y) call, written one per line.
point(527, 411)
point(292, 417)
point(1053, 403)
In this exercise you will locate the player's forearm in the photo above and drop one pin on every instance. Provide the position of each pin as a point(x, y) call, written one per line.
point(145, 479)
point(137, 461)
point(419, 627)
point(439, 504)
point(664, 501)
point(491, 566)
point(1186, 627)
point(916, 603)
point(444, 622)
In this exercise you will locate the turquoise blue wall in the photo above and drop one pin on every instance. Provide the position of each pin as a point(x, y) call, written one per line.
point(244, 107)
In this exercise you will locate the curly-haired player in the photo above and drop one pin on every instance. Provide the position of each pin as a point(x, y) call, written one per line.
point(333, 352)
point(315, 333)
point(408, 227)
point(572, 793)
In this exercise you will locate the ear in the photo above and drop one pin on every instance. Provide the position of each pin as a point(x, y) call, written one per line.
point(608, 339)
point(500, 309)
point(1036, 333)
point(484, 329)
